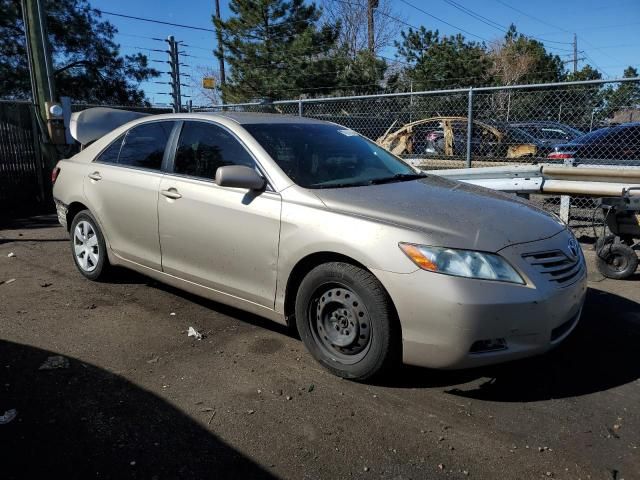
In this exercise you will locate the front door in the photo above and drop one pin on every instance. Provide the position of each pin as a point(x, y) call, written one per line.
point(219, 237)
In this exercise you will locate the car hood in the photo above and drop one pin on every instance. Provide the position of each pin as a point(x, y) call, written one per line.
point(452, 214)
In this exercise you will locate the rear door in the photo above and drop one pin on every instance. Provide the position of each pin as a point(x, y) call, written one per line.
point(223, 238)
point(122, 189)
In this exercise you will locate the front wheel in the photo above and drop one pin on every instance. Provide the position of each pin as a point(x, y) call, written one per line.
point(347, 322)
point(88, 246)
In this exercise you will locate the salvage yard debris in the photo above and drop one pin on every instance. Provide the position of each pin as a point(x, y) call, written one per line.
point(8, 416)
point(55, 362)
point(447, 136)
point(194, 333)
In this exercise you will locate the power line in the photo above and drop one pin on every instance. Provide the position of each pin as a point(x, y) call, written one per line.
point(501, 2)
point(443, 21)
point(151, 20)
point(477, 16)
point(601, 27)
point(554, 26)
point(496, 25)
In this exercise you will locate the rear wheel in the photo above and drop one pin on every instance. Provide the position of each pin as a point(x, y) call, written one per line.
point(614, 259)
point(88, 246)
point(346, 321)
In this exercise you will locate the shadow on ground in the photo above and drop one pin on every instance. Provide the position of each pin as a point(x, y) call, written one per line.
point(602, 353)
point(31, 223)
point(84, 422)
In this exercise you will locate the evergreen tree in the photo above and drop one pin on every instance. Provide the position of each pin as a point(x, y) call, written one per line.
point(87, 62)
point(625, 95)
point(277, 49)
point(442, 61)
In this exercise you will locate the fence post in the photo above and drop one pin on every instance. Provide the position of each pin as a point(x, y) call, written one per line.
point(469, 126)
point(411, 101)
point(300, 107)
point(565, 200)
point(37, 155)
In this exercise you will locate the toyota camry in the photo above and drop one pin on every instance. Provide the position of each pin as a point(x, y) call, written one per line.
point(314, 226)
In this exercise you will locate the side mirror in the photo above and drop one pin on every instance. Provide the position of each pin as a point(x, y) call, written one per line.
point(239, 176)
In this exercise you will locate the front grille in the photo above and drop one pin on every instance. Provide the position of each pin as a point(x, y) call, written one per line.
point(556, 266)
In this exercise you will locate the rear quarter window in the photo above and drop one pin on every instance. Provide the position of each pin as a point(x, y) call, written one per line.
point(111, 153)
point(143, 146)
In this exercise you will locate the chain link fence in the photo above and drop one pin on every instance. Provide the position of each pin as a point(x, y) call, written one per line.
point(594, 123)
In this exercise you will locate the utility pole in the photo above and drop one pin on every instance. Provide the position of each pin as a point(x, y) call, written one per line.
point(575, 53)
point(220, 46)
point(41, 71)
point(174, 74)
point(174, 64)
point(372, 5)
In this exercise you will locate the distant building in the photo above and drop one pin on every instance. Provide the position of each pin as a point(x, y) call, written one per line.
point(626, 115)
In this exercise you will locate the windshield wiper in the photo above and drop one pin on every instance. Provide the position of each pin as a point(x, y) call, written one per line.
point(339, 185)
point(398, 177)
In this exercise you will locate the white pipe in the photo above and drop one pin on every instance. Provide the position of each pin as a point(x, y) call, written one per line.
point(595, 189)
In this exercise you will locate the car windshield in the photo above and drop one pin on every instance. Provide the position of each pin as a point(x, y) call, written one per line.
point(328, 156)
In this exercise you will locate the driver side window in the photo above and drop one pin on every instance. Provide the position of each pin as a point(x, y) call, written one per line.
point(204, 147)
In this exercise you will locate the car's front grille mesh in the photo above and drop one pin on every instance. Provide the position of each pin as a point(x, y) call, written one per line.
point(556, 266)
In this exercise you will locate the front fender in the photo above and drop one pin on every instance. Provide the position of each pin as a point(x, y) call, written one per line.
point(307, 230)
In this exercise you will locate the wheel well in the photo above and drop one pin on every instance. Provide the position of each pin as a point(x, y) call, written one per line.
point(72, 211)
point(301, 269)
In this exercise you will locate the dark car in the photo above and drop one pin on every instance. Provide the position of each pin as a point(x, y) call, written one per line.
point(616, 145)
point(547, 132)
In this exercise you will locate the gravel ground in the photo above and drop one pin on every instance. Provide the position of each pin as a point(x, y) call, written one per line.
point(134, 397)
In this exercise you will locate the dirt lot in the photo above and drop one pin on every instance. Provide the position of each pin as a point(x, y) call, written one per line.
point(140, 399)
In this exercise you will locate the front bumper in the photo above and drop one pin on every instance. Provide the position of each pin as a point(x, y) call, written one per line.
point(443, 317)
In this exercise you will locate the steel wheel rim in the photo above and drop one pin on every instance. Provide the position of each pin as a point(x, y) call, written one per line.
point(85, 246)
point(340, 323)
point(618, 262)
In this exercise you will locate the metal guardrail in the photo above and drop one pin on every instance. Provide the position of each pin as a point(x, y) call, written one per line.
point(549, 179)
point(525, 180)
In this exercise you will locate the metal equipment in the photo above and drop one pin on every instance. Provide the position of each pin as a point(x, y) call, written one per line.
point(617, 250)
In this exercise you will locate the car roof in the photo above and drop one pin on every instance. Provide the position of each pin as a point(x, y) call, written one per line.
point(245, 118)
point(537, 123)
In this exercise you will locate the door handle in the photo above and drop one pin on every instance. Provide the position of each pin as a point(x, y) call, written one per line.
point(95, 176)
point(171, 193)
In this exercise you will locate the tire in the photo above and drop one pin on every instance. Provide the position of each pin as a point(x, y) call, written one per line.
point(346, 320)
point(614, 259)
point(88, 247)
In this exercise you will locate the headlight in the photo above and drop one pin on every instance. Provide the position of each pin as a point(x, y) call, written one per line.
point(461, 263)
point(557, 218)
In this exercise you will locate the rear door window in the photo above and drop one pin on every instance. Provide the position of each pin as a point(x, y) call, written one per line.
point(204, 147)
point(144, 145)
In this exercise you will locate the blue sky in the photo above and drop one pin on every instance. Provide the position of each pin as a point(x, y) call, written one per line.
point(608, 31)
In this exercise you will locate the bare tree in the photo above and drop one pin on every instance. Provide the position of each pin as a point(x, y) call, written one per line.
point(205, 96)
point(352, 15)
point(509, 64)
